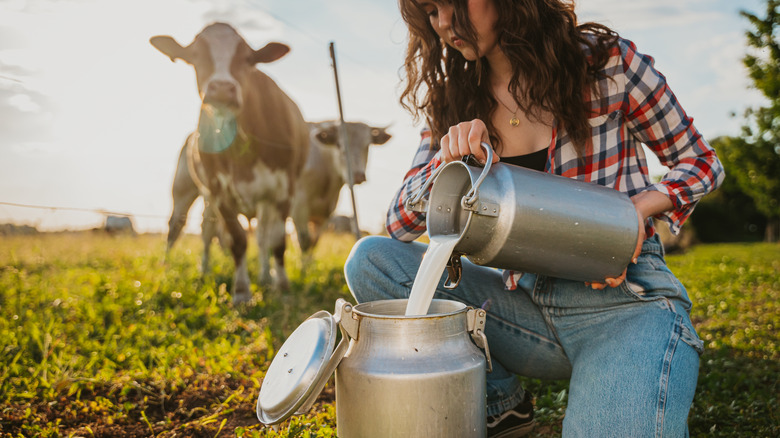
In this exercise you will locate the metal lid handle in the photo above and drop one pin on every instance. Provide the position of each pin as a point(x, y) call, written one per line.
point(476, 326)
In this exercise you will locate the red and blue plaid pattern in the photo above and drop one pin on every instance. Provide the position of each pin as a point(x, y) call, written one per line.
point(635, 107)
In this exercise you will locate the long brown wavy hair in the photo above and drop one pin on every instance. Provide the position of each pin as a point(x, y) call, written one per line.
point(546, 46)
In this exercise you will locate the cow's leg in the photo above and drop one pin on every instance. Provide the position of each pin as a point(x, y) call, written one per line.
point(300, 217)
point(278, 241)
point(273, 240)
point(264, 250)
point(208, 229)
point(178, 219)
point(315, 230)
point(184, 192)
point(312, 233)
point(238, 244)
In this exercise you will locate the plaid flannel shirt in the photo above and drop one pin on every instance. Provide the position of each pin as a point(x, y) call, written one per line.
point(635, 107)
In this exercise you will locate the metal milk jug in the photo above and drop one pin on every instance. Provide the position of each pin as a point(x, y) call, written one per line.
point(396, 375)
point(510, 217)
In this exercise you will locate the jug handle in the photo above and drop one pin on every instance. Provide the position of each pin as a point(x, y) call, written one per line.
point(476, 327)
point(416, 203)
point(471, 197)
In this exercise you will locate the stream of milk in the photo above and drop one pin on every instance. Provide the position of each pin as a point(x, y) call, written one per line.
point(433, 264)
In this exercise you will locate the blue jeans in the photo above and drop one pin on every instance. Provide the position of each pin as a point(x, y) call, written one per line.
point(630, 352)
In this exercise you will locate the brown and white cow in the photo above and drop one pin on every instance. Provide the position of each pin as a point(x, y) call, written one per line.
point(325, 173)
point(317, 190)
point(251, 142)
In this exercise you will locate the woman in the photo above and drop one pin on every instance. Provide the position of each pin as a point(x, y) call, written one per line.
point(570, 99)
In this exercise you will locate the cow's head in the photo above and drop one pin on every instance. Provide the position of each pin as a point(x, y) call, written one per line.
point(222, 61)
point(360, 136)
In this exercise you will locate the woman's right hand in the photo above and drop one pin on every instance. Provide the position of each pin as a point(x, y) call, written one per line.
point(465, 139)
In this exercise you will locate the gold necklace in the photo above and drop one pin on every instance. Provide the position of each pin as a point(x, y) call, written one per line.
point(514, 121)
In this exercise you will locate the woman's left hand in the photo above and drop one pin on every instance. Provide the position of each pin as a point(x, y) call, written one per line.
point(616, 281)
point(647, 204)
point(464, 139)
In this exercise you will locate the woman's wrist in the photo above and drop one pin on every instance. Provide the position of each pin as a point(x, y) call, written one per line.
point(650, 203)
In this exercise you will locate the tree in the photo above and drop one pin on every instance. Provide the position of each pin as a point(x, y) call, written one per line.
point(728, 214)
point(756, 157)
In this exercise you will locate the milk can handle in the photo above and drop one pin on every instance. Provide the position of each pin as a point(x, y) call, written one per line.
point(414, 201)
point(473, 194)
point(470, 198)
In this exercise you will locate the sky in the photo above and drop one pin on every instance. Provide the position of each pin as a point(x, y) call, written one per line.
point(92, 117)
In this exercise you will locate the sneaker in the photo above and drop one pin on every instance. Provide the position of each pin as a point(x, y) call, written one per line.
point(513, 423)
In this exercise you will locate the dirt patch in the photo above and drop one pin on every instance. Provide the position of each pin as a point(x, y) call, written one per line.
point(198, 408)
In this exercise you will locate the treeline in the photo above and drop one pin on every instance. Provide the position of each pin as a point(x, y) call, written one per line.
point(747, 206)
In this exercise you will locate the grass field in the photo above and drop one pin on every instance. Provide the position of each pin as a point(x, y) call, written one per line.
point(102, 336)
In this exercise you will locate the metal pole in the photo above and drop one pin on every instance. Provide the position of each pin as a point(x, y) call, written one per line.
point(344, 143)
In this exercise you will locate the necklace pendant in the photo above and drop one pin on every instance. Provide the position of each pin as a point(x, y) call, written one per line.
point(514, 121)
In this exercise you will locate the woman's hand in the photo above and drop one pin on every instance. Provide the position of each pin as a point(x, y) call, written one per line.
point(616, 281)
point(647, 204)
point(465, 139)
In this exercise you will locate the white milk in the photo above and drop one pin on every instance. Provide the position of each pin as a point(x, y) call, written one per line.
point(433, 264)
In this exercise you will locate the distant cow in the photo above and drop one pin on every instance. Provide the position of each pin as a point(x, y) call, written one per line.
point(251, 142)
point(317, 190)
point(326, 172)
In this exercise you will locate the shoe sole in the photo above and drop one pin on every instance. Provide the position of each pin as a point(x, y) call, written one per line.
point(516, 431)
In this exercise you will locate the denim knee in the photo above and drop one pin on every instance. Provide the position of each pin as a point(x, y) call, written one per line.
point(357, 262)
point(380, 268)
point(357, 255)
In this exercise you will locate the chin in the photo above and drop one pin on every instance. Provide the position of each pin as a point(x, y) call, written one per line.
point(469, 54)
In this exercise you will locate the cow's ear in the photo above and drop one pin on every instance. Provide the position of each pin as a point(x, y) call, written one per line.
point(380, 135)
point(327, 136)
point(168, 46)
point(270, 53)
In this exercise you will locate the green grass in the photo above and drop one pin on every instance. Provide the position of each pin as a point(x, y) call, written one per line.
point(736, 292)
point(102, 336)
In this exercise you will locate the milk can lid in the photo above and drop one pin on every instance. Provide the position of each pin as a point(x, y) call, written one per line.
point(300, 370)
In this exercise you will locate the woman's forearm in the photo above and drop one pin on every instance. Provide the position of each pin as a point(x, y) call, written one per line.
point(650, 203)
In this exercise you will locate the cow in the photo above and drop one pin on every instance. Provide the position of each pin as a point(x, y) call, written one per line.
point(250, 144)
point(325, 173)
point(317, 190)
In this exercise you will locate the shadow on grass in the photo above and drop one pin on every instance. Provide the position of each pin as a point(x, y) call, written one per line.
point(737, 395)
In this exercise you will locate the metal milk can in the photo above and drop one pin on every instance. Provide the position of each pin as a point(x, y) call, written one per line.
point(510, 217)
point(396, 375)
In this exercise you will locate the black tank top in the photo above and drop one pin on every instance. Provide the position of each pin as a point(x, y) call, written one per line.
point(535, 160)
